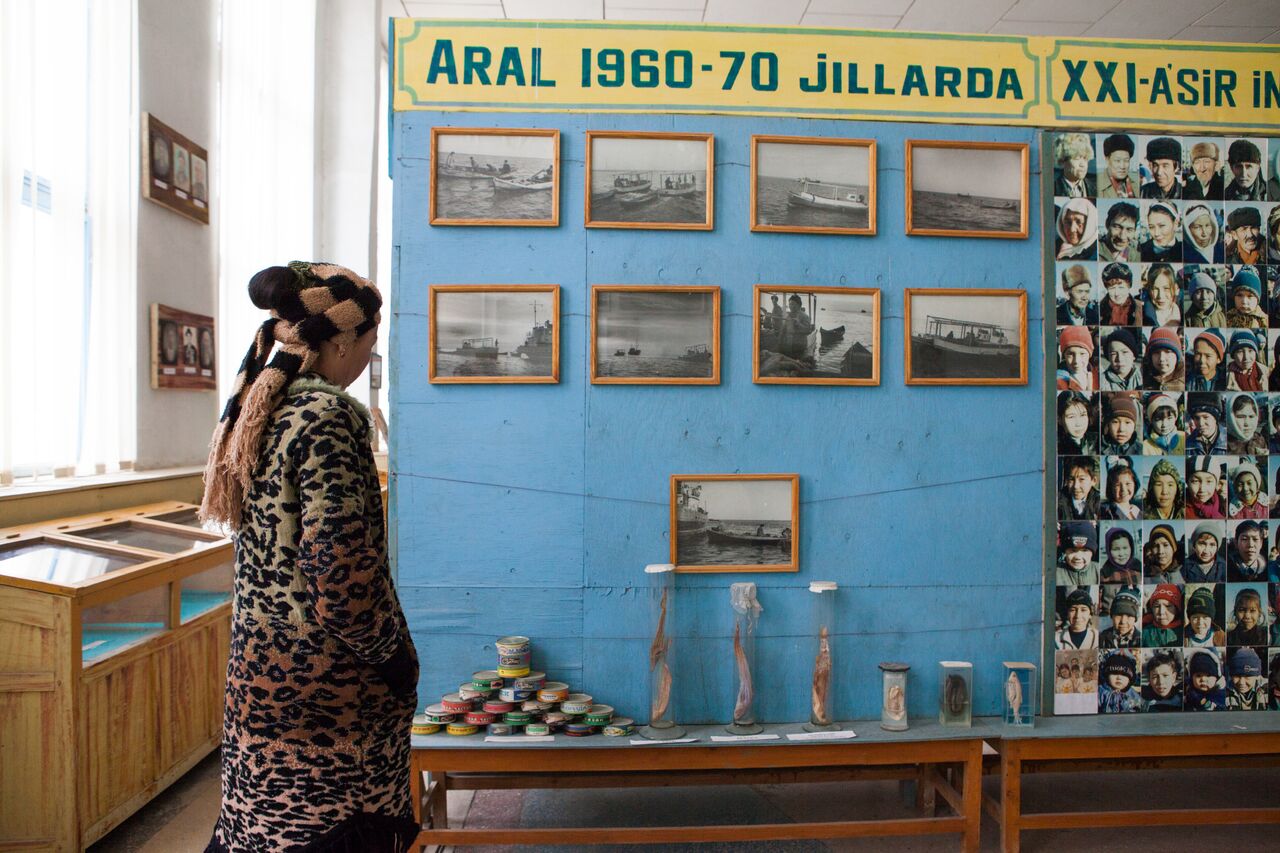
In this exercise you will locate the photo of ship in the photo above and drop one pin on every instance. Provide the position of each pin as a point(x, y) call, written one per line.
point(734, 521)
point(966, 337)
point(817, 334)
point(496, 333)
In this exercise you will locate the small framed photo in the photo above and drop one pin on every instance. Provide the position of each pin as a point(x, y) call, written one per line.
point(961, 336)
point(495, 176)
point(169, 177)
point(816, 335)
point(642, 335)
point(735, 522)
point(967, 189)
point(500, 333)
point(182, 350)
point(813, 185)
point(650, 180)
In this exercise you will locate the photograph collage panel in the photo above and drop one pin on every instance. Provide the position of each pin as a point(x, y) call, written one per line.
point(1167, 279)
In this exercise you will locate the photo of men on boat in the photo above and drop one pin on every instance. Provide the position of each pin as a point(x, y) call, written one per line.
point(966, 188)
point(648, 181)
point(735, 520)
point(500, 335)
point(659, 335)
point(822, 335)
point(813, 185)
point(974, 337)
point(495, 179)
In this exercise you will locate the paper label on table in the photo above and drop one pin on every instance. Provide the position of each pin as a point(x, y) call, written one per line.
point(509, 739)
point(647, 742)
point(741, 738)
point(87, 646)
point(840, 735)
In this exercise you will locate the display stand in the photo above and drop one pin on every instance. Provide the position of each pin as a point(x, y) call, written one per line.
point(116, 629)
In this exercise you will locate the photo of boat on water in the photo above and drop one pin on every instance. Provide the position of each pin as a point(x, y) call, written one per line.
point(495, 176)
point(817, 335)
point(650, 180)
point(494, 333)
point(966, 337)
point(967, 189)
point(813, 185)
point(735, 522)
point(644, 335)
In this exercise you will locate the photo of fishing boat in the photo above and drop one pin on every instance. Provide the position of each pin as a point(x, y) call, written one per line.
point(655, 335)
point(494, 178)
point(735, 521)
point(809, 184)
point(966, 188)
point(505, 334)
point(976, 336)
point(653, 180)
point(820, 335)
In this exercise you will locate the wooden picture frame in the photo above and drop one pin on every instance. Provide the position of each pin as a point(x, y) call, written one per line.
point(851, 359)
point(963, 340)
point(179, 363)
point(540, 348)
point(819, 202)
point(695, 356)
point(484, 187)
point(170, 162)
point(703, 533)
point(602, 209)
point(983, 210)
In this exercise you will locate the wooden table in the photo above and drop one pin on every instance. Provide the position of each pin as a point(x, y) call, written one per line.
point(921, 753)
point(1131, 742)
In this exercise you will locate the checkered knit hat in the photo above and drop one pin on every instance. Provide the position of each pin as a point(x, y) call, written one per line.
point(310, 303)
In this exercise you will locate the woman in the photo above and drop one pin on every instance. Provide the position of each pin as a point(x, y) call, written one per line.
point(1248, 500)
point(1244, 427)
point(1122, 485)
point(1160, 297)
point(322, 677)
point(1203, 244)
point(1078, 231)
point(1163, 242)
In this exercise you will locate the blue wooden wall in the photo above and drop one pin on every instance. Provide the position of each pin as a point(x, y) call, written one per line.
point(533, 509)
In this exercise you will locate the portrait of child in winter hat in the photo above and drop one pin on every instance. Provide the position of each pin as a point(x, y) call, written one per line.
point(1122, 357)
point(1204, 497)
point(1078, 496)
point(1206, 359)
point(1161, 680)
point(1124, 607)
point(1162, 623)
point(1163, 430)
point(1077, 547)
point(1246, 691)
point(1245, 368)
point(1077, 426)
point(1246, 300)
point(1204, 615)
point(1244, 426)
point(1247, 621)
point(1121, 423)
point(1206, 432)
point(1162, 555)
point(1122, 486)
point(1162, 368)
point(1163, 498)
point(1246, 498)
point(1075, 609)
point(1247, 556)
point(1204, 562)
point(1077, 362)
point(1121, 564)
point(1117, 693)
point(1205, 689)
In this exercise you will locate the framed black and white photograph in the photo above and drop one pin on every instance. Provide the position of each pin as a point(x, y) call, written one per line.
point(650, 180)
point(735, 522)
point(816, 335)
point(494, 334)
point(642, 335)
point(813, 185)
point(967, 189)
point(495, 176)
point(199, 180)
point(168, 170)
point(961, 336)
point(182, 350)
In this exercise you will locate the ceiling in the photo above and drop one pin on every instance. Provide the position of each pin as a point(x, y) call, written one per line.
point(1207, 20)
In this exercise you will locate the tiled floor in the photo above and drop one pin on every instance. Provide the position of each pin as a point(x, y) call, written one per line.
point(181, 819)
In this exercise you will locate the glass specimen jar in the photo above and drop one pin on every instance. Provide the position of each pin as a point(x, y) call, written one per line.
point(822, 608)
point(893, 703)
point(662, 589)
point(1020, 693)
point(746, 615)
point(955, 693)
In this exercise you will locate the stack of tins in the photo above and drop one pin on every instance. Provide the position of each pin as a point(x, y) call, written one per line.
point(513, 698)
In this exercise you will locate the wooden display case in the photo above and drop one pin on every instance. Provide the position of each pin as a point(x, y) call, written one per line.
point(114, 634)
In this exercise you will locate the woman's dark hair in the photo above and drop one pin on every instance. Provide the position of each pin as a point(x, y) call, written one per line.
point(272, 288)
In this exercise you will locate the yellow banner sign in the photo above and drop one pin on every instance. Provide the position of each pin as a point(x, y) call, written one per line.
point(540, 66)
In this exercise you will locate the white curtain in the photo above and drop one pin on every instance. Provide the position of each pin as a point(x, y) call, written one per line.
point(68, 167)
point(267, 148)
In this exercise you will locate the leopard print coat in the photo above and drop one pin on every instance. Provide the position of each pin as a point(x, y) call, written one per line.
point(322, 677)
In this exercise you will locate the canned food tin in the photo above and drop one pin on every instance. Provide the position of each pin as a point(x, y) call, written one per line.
point(537, 729)
point(480, 718)
point(455, 704)
point(498, 707)
point(462, 729)
point(514, 645)
point(620, 726)
point(513, 672)
point(553, 691)
point(470, 692)
point(499, 729)
point(578, 729)
point(486, 679)
point(514, 694)
point(423, 726)
point(517, 718)
point(598, 715)
point(437, 714)
point(575, 703)
point(532, 681)
point(555, 718)
point(533, 706)
point(513, 661)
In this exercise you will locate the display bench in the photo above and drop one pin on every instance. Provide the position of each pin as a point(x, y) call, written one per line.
point(1130, 742)
point(114, 635)
point(471, 763)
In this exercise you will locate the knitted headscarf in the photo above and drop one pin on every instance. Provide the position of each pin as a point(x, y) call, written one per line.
point(310, 303)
